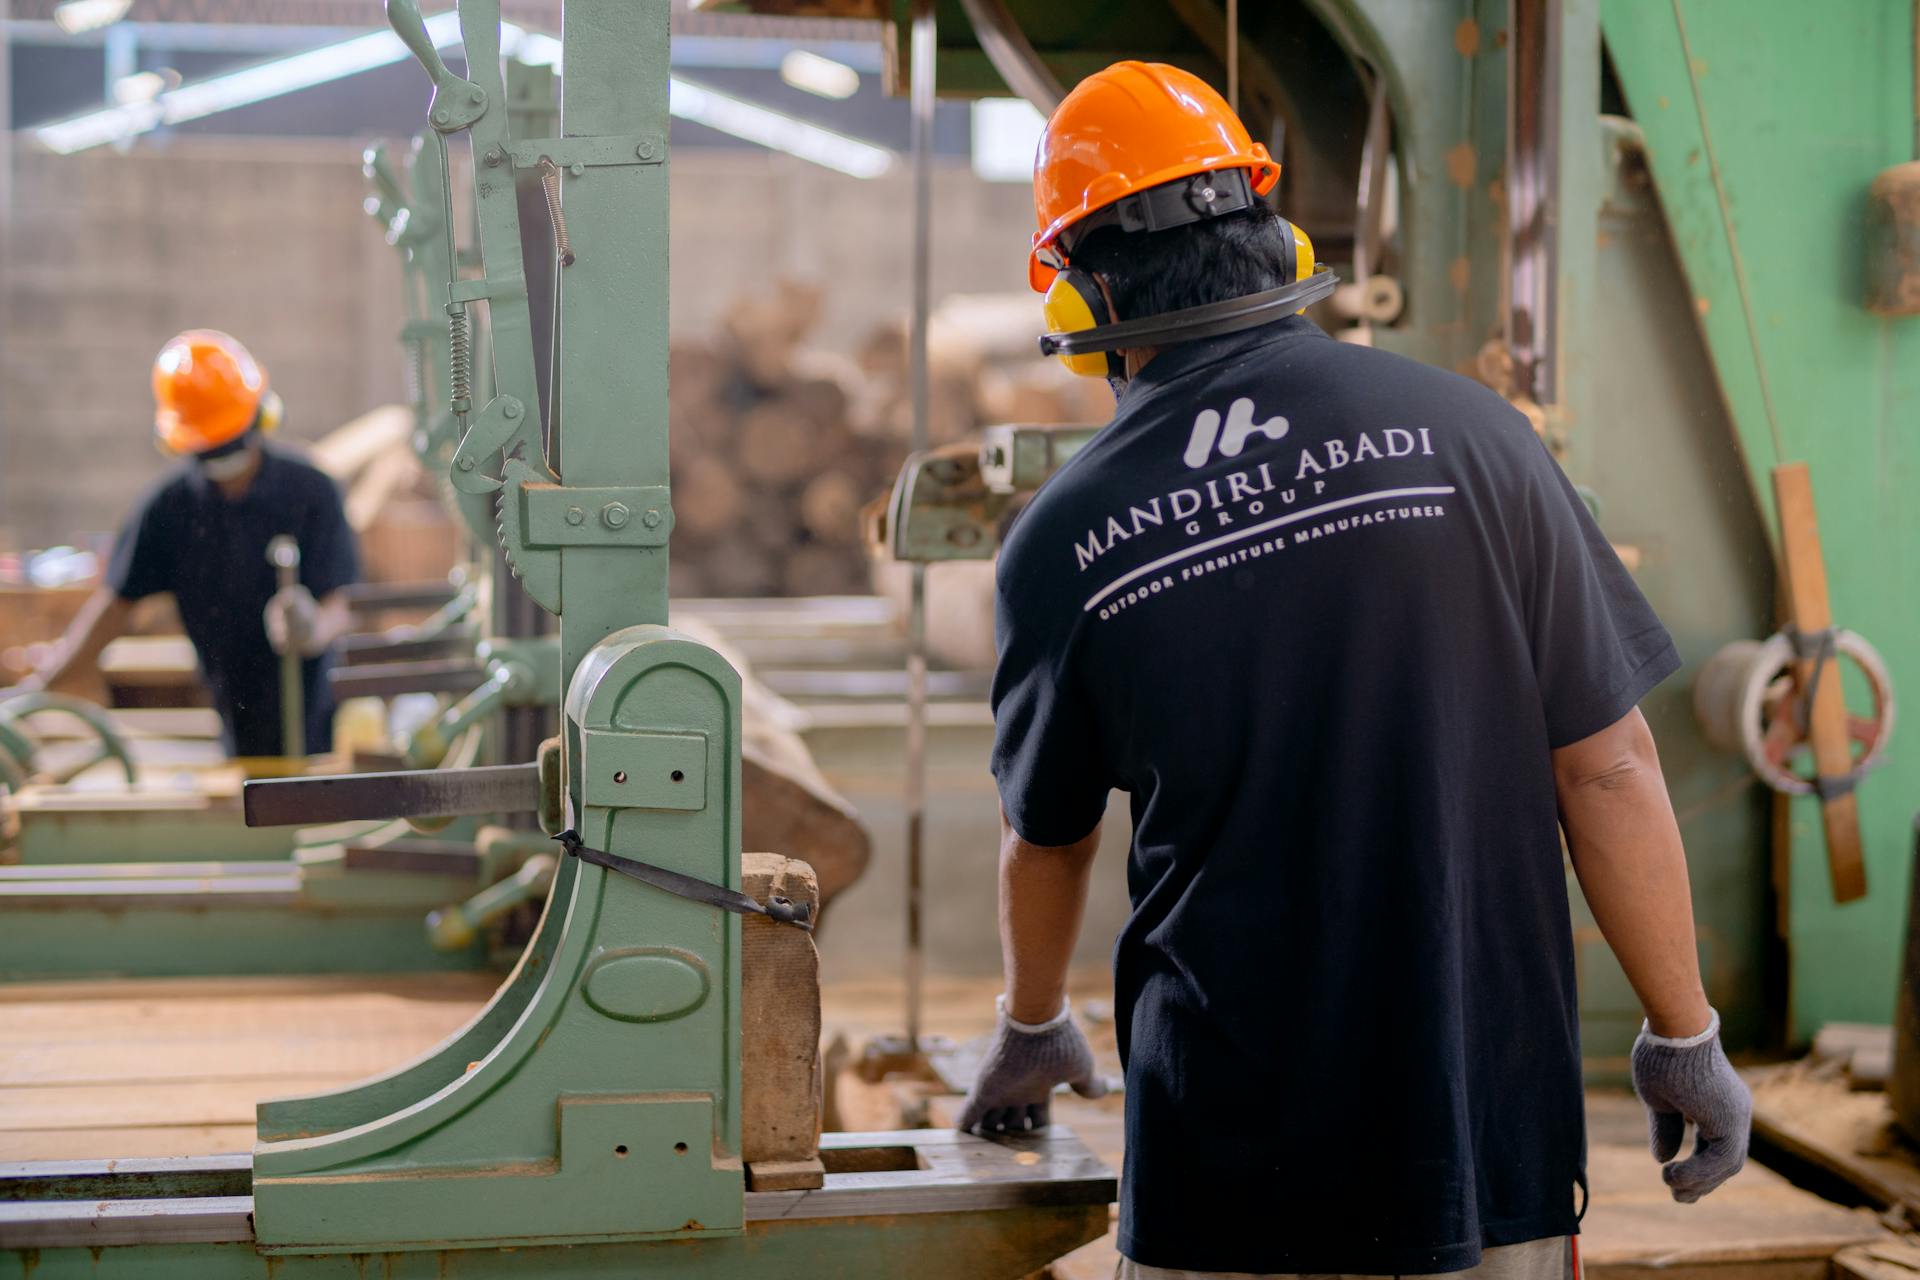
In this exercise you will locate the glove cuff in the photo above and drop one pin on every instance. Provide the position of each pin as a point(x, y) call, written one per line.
point(1683, 1042)
point(1057, 1021)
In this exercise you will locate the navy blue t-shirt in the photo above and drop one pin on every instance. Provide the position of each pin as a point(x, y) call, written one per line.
point(1323, 613)
point(186, 538)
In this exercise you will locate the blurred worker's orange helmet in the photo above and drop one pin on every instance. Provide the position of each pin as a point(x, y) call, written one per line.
point(1132, 126)
point(207, 390)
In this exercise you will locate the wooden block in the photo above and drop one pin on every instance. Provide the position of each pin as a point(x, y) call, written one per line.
point(1888, 1260)
point(1805, 574)
point(779, 1019)
point(786, 1175)
point(1815, 1116)
point(1842, 1040)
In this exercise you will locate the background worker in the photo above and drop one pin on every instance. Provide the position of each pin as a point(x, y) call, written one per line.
point(202, 534)
point(1341, 628)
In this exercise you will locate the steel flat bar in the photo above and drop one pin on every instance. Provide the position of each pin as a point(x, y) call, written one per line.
point(303, 802)
point(400, 595)
point(177, 1176)
point(390, 679)
point(963, 1174)
point(52, 1224)
point(375, 648)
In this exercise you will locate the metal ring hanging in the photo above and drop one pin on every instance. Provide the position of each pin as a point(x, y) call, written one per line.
point(1748, 700)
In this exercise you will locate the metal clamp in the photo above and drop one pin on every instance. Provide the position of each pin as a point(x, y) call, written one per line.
point(576, 154)
point(778, 909)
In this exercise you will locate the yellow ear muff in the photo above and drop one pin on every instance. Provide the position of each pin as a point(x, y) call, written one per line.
point(1303, 262)
point(271, 412)
point(1075, 304)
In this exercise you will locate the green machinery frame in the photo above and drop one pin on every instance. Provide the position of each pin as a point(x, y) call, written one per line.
point(587, 1121)
point(1679, 296)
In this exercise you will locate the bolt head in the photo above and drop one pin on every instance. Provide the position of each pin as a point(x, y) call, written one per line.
point(475, 96)
point(465, 464)
point(511, 409)
point(440, 116)
point(576, 168)
point(644, 151)
point(576, 516)
point(615, 515)
point(651, 519)
point(495, 155)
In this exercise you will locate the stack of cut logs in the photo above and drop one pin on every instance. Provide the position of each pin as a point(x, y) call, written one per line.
point(777, 446)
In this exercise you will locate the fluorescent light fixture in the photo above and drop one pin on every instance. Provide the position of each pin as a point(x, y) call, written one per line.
point(1006, 133)
point(239, 88)
point(535, 49)
point(144, 86)
point(817, 75)
point(776, 131)
point(76, 16)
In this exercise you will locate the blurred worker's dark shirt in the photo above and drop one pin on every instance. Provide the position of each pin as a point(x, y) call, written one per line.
point(211, 554)
point(1324, 613)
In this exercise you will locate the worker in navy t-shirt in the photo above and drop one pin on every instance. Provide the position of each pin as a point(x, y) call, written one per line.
point(202, 535)
point(1355, 650)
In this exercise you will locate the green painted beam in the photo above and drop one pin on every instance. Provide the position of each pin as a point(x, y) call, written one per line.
point(1765, 122)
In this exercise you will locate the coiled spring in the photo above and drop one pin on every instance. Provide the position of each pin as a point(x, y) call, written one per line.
point(416, 371)
point(550, 184)
point(459, 357)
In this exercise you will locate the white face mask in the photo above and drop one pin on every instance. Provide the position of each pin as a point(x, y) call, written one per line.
point(229, 466)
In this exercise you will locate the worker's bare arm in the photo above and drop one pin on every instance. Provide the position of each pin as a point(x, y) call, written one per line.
point(1043, 895)
point(74, 665)
point(1626, 850)
point(334, 618)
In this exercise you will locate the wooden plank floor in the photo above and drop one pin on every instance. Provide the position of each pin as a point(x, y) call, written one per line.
point(174, 1066)
point(1808, 1108)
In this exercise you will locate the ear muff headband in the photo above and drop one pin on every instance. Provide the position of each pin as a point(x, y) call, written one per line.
point(1075, 305)
point(1209, 320)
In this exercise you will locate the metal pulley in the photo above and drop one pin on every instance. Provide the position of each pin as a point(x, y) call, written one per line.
point(1748, 699)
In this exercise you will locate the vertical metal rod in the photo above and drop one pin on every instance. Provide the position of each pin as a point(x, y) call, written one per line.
point(922, 70)
point(283, 553)
point(1533, 75)
point(1233, 55)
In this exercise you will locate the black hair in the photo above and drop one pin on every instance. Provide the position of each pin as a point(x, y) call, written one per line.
point(1150, 272)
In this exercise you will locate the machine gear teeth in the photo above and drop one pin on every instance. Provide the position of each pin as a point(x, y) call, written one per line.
point(537, 570)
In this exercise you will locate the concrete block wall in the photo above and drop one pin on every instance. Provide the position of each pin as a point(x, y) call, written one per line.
point(105, 255)
point(108, 255)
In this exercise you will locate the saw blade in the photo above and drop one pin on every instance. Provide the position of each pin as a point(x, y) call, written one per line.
point(538, 570)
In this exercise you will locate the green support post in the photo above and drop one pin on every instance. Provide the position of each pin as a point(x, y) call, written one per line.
point(1765, 124)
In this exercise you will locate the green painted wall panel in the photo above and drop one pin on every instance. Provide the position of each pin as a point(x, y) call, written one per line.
point(1765, 122)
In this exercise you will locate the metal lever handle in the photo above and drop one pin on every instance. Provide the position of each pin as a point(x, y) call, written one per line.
point(457, 102)
point(421, 793)
point(386, 184)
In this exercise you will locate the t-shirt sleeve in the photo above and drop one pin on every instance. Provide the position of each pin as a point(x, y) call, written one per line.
point(140, 565)
point(1598, 647)
point(329, 554)
point(1045, 740)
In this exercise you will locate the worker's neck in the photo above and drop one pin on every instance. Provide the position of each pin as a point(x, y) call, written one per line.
point(234, 487)
point(1136, 358)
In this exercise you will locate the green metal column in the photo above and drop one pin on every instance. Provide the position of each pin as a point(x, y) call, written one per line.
point(1765, 123)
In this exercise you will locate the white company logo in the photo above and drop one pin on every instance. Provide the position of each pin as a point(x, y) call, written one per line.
point(1239, 426)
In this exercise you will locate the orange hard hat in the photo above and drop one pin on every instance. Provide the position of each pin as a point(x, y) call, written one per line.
point(1133, 126)
point(207, 390)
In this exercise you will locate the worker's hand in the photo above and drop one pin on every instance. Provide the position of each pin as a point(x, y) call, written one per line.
point(1690, 1080)
point(292, 619)
point(1013, 1091)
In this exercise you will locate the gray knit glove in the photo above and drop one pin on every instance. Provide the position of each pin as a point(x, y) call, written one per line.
point(1014, 1088)
point(1691, 1080)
